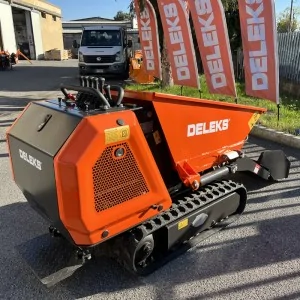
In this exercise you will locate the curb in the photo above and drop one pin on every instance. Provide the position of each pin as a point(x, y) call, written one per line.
point(276, 136)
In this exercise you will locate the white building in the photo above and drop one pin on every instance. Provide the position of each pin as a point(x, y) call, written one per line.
point(33, 26)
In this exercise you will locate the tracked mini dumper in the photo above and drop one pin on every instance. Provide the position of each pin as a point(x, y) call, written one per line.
point(137, 176)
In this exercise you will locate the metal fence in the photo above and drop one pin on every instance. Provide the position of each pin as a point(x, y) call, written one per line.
point(289, 58)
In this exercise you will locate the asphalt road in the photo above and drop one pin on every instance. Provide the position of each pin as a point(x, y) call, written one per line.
point(257, 257)
point(37, 81)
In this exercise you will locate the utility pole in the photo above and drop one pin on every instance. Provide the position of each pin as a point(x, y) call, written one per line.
point(291, 15)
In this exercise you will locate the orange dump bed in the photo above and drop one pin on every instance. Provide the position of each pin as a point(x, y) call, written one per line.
point(199, 132)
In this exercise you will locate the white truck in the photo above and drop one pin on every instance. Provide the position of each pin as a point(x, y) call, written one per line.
point(104, 50)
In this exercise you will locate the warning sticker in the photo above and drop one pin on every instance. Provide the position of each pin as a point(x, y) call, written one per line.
point(117, 134)
point(256, 169)
point(183, 224)
point(253, 120)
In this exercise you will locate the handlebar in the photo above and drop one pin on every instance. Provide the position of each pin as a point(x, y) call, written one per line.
point(120, 91)
point(89, 90)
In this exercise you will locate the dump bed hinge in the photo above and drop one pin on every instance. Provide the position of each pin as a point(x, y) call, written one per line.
point(188, 175)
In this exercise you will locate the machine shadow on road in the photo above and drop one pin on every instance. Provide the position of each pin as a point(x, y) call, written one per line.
point(101, 276)
point(274, 243)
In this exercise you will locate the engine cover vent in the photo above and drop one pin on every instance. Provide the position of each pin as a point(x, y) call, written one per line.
point(117, 179)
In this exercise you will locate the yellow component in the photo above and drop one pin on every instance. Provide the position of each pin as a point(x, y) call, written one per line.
point(113, 135)
point(183, 224)
point(253, 120)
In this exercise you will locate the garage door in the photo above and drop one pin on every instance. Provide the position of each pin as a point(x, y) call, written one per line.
point(7, 28)
point(37, 34)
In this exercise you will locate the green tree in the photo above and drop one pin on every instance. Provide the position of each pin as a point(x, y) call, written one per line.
point(233, 23)
point(122, 16)
point(283, 20)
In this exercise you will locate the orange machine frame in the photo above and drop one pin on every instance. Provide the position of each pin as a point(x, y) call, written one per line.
point(74, 179)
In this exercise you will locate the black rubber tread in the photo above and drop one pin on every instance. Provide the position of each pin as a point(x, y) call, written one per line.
point(180, 208)
point(188, 204)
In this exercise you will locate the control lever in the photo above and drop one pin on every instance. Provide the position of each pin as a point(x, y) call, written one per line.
point(88, 90)
point(87, 81)
point(96, 80)
point(82, 81)
point(92, 82)
point(102, 81)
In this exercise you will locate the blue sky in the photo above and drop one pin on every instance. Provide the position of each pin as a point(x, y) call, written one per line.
point(108, 8)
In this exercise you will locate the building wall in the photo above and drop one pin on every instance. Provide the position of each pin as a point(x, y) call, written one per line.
point(7, 31)
point(40, 5)
point(37, 34)
point(51, 32)
point(49, 25)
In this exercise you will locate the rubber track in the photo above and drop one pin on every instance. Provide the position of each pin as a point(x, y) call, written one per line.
point(180, 208)
point(188, 204)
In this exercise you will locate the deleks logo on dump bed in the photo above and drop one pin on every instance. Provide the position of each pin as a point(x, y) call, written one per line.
point(207, 127)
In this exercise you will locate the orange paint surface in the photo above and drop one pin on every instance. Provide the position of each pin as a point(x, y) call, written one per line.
point(97, 191)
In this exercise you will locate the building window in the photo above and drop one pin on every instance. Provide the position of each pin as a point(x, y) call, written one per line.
point(44, 15)
point(54, 18)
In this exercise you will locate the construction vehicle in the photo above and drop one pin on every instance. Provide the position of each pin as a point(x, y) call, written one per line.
point(104, 50)
point(137, 72)
point(7, 60)
point(138, 176)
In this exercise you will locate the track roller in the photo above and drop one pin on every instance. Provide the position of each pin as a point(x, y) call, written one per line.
point(191, 219)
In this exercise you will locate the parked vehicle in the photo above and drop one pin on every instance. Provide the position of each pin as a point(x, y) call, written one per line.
point(104, 50)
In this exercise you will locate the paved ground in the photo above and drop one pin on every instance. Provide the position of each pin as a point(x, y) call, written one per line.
point(39, 80)
point(256, 258)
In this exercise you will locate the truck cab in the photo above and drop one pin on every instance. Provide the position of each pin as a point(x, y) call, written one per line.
point(104, 50)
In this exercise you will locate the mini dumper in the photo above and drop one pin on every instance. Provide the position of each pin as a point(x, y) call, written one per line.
point(138, 176)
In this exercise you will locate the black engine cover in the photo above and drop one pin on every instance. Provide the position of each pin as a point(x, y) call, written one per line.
point(34, 140)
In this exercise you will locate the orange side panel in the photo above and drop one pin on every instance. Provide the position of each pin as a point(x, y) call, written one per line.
point(98, 192)
point(170, 98)
point(199, 133)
